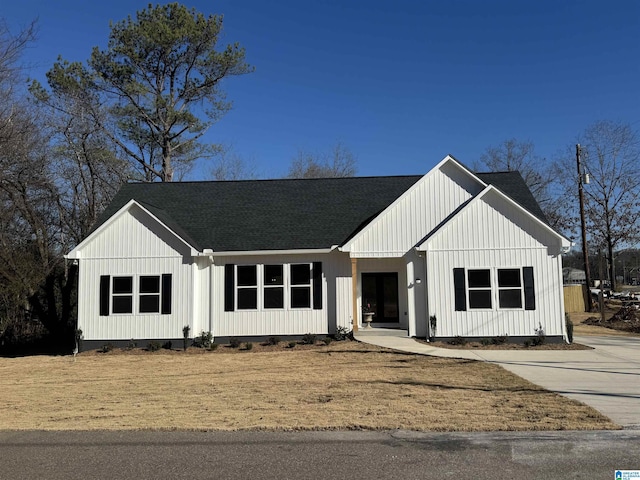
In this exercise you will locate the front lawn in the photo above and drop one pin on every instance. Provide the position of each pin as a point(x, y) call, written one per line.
point(344, 385)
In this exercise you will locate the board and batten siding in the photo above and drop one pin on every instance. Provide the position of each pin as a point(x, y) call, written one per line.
point(405, 223)
point(336, 300)
point(134, 244)
point(494, 234)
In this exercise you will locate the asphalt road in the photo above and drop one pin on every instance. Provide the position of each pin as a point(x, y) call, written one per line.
point(316, 455)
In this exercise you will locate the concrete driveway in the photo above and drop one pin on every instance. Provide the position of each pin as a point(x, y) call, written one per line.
point(606, 378)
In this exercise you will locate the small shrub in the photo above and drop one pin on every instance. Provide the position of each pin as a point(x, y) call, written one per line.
point(485, 342)
point(248, 346)
point(203, 340)
point(131, 345)
point(213, 347)
point(234, 342)
point(527, 343)
point(327, 340)
point(292, 344)
point(540, 337)
point(154, 346)
point(273, 341)
point(167, 345)
point(106, 348)
point(342, 333)
point(309, 339)
point(458, 340)
point(569, 326)
point(185, 336)
point(499, 340)
point(433, 323)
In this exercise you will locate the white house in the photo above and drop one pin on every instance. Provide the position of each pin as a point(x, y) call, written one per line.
point(445, 254)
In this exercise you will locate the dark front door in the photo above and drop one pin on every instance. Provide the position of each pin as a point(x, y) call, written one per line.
point(380, 295)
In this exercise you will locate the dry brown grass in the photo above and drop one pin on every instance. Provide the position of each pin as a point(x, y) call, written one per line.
point(343, 386)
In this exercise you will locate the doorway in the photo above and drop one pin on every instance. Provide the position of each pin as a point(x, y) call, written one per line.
point(380, 295)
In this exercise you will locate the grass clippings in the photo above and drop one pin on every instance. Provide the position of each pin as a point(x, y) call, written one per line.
point(342, 386)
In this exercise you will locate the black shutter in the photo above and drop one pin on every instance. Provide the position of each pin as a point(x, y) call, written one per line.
point(166, 294)
point(229, 285)
point(529, 291)
point(105, 293)
point(317, 285)
point(460, 289)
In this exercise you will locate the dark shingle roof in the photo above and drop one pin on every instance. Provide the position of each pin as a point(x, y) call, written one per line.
point(280, 214)
point(266, 214)
point(513, 185)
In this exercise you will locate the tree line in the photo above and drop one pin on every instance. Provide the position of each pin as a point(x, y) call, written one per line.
point(138, 110)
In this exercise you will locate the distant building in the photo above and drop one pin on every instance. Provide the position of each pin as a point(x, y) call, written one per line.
point(573, 275)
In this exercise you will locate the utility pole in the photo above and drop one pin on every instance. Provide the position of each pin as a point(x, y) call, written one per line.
point(585, 251)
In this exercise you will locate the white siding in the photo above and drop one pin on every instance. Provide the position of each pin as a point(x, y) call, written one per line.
point(336, 274)
point(133, 326)
point(134, 244)
point(134, 234)
point(416, 213)
point(492, 234)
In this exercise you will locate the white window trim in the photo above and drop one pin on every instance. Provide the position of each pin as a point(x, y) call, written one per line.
point(259, 273)
point(260, 286)
point(495, 288)
point(135, 294)
point(499, 288)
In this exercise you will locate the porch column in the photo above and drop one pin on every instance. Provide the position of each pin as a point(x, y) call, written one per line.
point(354, 292)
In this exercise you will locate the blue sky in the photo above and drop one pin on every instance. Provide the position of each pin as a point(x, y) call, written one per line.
point(400, 83)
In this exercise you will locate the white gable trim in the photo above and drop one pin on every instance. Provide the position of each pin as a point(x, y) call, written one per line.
point(76, 253)
point(564, 242)
point(448, 159)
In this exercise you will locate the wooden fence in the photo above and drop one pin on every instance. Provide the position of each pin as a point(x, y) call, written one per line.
point(575, 298)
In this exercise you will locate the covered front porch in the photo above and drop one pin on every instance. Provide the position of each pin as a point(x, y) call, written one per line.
point(390, 292)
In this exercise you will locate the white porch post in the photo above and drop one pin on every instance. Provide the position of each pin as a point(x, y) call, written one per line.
point(411, 298)
point(354, 292)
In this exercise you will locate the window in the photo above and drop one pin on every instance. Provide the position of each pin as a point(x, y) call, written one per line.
point(129, 294)
point(149, 294)
point(509, 288)
point(273, 286)
point(301, 285)
point(247, 287)
point(122, 297)
point(479, 288)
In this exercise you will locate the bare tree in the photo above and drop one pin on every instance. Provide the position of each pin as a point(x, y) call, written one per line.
point(231, 166)
point(611, 156)
point(516, 155)
point(339, 162)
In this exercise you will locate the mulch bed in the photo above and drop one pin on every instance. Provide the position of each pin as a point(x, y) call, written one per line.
point(510, 346)
point(627, 319)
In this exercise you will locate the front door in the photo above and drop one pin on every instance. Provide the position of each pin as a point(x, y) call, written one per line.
point(380, 296)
